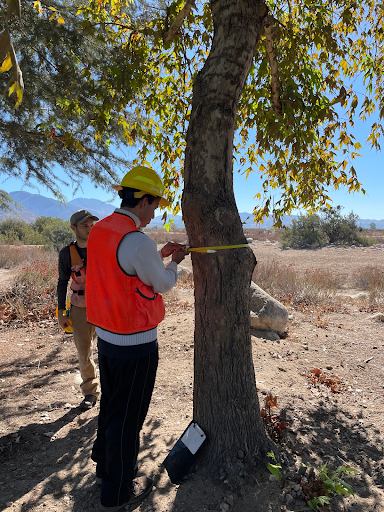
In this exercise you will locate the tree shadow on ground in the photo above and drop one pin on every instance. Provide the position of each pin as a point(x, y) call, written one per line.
point(33, 373)
point(43, 468)
point(330, 434)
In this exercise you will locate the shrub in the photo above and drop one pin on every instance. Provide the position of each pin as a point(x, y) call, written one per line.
point(331, 226)
point(304, 231)
point(55, 232)
point(341, 229)
point(19, 231)
point(49, 231)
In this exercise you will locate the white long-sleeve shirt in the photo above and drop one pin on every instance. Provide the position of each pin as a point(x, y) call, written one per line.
point(137, 255)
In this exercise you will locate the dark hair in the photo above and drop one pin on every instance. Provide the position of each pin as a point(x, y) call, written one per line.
point(128, 199)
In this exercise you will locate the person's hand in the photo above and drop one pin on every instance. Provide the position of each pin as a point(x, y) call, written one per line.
point(179, 254)
point(169, 248)
point(62, 319)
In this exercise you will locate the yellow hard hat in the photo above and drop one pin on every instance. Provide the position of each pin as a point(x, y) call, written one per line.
point(146, 181)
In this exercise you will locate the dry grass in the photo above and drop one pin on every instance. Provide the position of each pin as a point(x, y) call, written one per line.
point(287, 284)
point(32, 297)
point(14, 255)
point(377, 236)
point(161, 236)
point(263, 235)
point(370, 279)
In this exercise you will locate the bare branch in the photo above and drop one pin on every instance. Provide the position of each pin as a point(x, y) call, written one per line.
point(178, 21)
point(269, 26)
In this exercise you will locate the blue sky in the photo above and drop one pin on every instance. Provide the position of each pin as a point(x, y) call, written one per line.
point(369, 170)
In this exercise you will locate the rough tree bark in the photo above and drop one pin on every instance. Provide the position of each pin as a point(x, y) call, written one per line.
point(225, 398)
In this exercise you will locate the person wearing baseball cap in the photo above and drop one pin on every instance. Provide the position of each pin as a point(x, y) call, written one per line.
point(125, 280)
point(72, 266)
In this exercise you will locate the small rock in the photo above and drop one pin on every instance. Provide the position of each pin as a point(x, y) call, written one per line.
point(240, 454)
point(296, 487)
point(329, 367)
point(224, 507)
point(289, 498)
point(230, 500)
point(290, 317)
point(273, 478)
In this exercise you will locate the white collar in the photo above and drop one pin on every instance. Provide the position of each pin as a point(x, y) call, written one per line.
point(135, 219)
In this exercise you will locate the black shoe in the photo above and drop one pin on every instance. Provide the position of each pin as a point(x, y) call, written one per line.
point(141, 487)
point(88, 402)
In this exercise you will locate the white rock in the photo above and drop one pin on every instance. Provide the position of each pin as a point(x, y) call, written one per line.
point(266, 312)
point(377, 317)
point(360, 295)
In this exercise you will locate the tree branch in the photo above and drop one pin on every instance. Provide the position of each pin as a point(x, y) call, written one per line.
point(275, 82)
point(178, 21)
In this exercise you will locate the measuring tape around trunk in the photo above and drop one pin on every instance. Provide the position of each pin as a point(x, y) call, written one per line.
point(211, 250)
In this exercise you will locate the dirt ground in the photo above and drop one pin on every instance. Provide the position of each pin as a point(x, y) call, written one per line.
point(45, 440)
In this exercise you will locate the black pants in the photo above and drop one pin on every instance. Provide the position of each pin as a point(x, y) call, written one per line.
point(126, 388)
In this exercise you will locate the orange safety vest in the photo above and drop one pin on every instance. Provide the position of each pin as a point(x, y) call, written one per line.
point(117, 302)
point(78, 272)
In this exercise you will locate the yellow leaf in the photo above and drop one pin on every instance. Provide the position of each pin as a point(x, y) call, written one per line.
point(12, 88)
point(37, 6)
point(52, 8)
point(61, 21)
point(7, 64)
point(19, 94)
point(53, 17)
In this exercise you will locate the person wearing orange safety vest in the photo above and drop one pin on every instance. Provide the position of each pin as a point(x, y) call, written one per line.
point(125, 279)
point(72, 267)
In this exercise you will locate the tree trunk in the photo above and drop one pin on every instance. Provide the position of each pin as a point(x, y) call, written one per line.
point(226, 405)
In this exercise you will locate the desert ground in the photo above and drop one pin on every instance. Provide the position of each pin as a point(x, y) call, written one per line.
point(45, 440)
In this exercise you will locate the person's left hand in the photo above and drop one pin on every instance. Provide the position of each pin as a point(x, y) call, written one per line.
point(169, 248)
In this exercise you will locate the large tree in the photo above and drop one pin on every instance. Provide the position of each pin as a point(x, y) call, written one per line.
point(268, 84)
point(271, 85)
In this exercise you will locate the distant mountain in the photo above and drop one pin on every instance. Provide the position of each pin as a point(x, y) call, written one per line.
point(37, 205)
point(365, 223)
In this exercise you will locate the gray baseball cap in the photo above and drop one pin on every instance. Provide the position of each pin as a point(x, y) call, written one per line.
point(81, 216)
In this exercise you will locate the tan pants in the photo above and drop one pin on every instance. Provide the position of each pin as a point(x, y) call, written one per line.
point(83, 334)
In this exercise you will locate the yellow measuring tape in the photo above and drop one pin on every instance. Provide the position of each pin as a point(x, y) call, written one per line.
point(214, 249)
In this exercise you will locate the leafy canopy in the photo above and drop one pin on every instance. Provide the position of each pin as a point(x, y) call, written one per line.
point(53, 127)
point(295, 122)
point(303, 149)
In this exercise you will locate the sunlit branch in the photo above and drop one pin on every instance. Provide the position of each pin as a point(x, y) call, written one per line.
point(178, 21)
